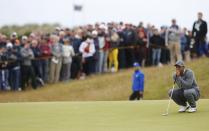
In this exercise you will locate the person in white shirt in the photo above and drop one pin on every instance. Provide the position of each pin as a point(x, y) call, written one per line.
point(87, 48)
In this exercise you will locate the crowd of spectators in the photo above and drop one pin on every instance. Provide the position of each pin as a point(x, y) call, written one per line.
point(67, 53)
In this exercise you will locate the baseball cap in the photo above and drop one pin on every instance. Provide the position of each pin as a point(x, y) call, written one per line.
point(136, 64)
point(14, 34)
point(24, 37)
point(179, 63)
point(9, 45)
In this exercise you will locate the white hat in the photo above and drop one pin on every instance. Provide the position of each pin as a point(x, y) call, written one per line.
point(9, 45)
point(103, 26)
point(32, 35)
point(14, 34)
point(94, 32)
point(58, 28)
point(24, 37)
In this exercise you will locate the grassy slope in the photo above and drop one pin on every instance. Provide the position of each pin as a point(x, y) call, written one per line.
point(113, 86)
point(101, 116)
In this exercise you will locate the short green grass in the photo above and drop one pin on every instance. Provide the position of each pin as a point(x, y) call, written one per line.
point(101, 116)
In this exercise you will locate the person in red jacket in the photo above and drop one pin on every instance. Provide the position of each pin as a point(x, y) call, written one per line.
point(46, 53)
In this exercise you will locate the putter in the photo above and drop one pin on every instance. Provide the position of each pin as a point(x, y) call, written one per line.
point(169, 102)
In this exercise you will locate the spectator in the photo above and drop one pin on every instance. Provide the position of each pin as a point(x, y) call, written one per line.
point(77, 59)
point(129, 40)
point(113, 52)
point(122, 44)
point(173, 42)
point(56, 60)
point(68, 53)
point(3, 40)
point(165, 53)
point(13, 37)
point(149, 33)
point(4, 72)
point(36, 62)
point(141, 48)
point(61, 37)
point(87, 49)
point(157, 43)
point(185, 45)
point(27, 69)
point(96, 54)
point(45, 54)
point(15, 67)
point(199, 33)
point(102, 51)
point(31, 37)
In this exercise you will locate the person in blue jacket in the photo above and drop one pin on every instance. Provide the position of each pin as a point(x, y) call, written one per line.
point(137, 83)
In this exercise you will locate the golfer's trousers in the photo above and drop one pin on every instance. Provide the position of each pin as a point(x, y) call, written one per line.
point(181, 96)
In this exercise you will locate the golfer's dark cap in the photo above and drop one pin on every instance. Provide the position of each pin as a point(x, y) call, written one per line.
point(180, 63)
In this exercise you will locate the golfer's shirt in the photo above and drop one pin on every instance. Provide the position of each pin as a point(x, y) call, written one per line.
point(187, 80)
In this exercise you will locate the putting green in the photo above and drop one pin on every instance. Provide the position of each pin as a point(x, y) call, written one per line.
point(101, 116)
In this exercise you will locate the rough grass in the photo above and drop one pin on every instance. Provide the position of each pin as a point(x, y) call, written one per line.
point(101, 116)
point(113, 87)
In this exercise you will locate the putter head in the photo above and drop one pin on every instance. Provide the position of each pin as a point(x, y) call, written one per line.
point(165, 114)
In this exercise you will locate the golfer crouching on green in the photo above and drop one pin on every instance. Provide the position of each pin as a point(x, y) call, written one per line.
point(188, 92)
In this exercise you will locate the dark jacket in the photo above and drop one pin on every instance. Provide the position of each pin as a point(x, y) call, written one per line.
point(14, 56)
point(3, 60)
point(76, 44)
point(37, 55)
point(129, 37)
point(36, 51)
point(157, 42)
point(199, 32)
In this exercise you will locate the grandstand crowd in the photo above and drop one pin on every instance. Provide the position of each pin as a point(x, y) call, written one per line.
point(66, 54)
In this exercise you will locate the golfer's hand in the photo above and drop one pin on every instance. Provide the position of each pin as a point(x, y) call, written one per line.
point(177, 73)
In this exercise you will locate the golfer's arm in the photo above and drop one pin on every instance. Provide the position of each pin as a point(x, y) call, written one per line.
point(185, 83)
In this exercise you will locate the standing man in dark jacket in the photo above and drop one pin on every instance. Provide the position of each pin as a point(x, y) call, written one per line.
point(157, 42)
point(130, 37)
point(188, 91)
point(76, 66)
point(199, 33)
point(4, 85)
point(36, 62)
point(14, 65)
